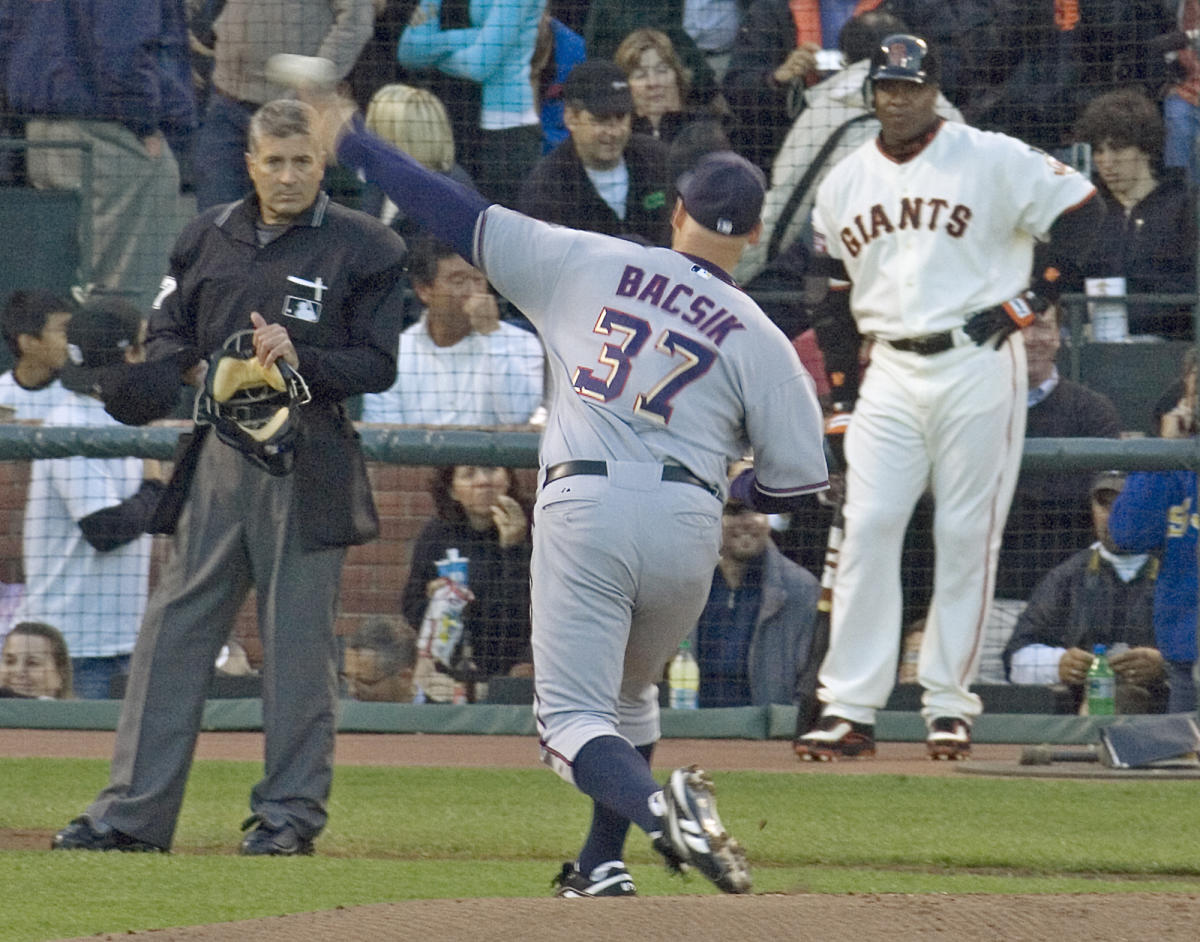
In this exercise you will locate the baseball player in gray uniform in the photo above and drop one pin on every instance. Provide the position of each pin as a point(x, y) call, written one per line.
point(664, 373)
point(929, 233)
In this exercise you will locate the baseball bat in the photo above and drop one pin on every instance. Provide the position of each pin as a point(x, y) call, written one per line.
point(809, 707)
point(1045, 755)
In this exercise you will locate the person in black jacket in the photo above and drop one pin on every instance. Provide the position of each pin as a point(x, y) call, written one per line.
point(603, 178)
point(479, 513)
point(1149, 232)
point(1097, 596)
point(319, 287)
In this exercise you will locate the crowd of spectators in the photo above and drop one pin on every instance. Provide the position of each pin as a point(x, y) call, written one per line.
point(584, 114)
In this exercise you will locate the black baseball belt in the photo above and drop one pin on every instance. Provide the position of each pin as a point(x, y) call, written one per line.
point(670, 472)
point(926, 345)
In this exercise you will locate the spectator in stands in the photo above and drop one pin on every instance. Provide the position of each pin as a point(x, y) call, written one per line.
point(119, 81)
point(494, 50)
point(86, 550)
point(559, 50)
point(1156, 512)
point(248, 33)
point(603, 178)
point(1027, 69)
point(657, 81)
point(1149, 232)
point(1181, 104)
point(34, 662)
point(1051, 516)
point(34, 324)
point(480, 512)
point(415, 121)
point(459, 364)
point(1098, 596)
point(378, 661)
point(713, 26)
point(756, 630)
point(775, 57)
point(610, 21)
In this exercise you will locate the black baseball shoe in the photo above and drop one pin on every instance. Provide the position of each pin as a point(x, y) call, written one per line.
point(608, 879)
point(85, 834)
point(267, 841)
point(949, 738)
point(693, 835)
point(836, 738)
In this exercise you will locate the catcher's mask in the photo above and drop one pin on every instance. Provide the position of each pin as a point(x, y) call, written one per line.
point(251, 407)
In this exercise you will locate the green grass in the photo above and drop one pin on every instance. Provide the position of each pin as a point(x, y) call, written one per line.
point(403, 833)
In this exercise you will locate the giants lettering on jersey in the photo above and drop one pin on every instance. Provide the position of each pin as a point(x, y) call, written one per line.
point(679, 299)
point(914, 213)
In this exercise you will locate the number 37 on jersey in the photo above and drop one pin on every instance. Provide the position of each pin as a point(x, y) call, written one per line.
point(685, 360)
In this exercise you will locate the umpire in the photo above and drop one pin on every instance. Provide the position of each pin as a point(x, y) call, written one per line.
point(320, 288)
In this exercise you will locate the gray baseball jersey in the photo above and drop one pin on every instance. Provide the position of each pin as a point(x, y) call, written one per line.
point(655, 358)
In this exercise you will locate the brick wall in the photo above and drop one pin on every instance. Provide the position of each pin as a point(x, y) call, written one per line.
point(374, 574)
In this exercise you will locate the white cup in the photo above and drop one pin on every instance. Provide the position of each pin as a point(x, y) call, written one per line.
point(1109, 319)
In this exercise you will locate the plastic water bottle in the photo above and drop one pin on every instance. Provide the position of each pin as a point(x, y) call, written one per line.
point(1101, 684)
point(683, 679)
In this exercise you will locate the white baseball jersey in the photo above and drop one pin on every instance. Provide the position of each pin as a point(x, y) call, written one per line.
point(96, 599)
point(949, 232)
point(654, 358)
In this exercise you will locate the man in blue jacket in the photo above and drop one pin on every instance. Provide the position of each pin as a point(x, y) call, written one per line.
point(116, 76)
point(1157, 512)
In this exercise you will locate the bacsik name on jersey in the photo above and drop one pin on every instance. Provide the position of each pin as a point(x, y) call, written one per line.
point(663, 294)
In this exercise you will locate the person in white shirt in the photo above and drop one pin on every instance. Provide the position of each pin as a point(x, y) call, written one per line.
point(459, 364)
point(34, 324)
point(86, 552)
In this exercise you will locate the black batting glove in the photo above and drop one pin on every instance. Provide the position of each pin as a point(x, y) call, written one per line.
point(1004, 319)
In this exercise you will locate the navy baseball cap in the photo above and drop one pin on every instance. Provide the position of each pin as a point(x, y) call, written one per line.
point(724, 192)
point(598, 86)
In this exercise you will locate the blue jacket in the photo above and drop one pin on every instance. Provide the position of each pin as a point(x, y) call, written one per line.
point(109, 60)
point(1157, 512)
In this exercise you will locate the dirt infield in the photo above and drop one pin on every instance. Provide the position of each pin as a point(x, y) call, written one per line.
point(867, 918)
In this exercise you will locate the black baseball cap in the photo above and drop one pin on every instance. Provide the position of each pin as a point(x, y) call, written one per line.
point(598, 86)
point(724, 192)
point(100, 332)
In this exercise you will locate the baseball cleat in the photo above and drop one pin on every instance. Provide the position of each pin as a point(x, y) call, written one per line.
point(301, 72)
point(608, 879)
point(836, 738)
point(693, 835)
point(949, 738)
point(85, 834)
point(268, 841)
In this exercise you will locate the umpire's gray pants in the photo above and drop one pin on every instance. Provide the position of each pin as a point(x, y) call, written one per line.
point(237, 530)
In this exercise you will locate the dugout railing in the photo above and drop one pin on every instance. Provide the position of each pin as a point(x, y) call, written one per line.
point(404, 450)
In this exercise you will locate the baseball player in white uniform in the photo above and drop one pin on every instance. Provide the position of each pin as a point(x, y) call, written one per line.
point(929, 233)
point(663, 374)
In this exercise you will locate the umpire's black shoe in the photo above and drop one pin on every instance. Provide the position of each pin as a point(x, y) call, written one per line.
point(267, 841)
point(85, 834)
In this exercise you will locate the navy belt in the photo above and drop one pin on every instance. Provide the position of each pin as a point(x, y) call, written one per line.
point(926, 345)
point(670, 472)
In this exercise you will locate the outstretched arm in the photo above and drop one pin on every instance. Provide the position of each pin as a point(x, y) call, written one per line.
point(447, 209)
